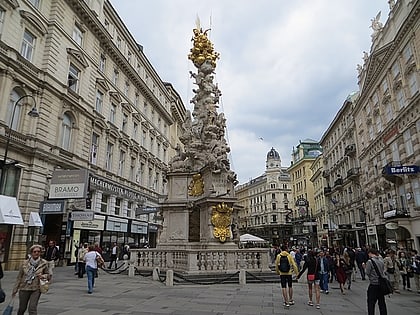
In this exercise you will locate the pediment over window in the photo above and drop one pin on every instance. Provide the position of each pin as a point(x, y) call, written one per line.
point(34, 21)
point(127, 107)
point(13, 3)
point(116, 96)
point(137, 116)
point(100, 123)
point(102, 83)
point(78, 56)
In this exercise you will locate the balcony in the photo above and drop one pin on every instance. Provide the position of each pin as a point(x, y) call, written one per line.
point(338, 184)
point(327, 191)
point(396, 213)
point(350, 150)
point(353, 173)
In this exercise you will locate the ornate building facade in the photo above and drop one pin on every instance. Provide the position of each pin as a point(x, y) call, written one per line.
point(103, 111)
point(264, 203)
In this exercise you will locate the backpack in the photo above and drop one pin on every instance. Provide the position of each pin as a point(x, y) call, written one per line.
point(284, 265)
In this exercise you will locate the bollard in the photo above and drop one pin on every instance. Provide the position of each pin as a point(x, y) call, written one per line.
point(131, 270)
point(242, 277)
point(155, 275)
point(169, 278)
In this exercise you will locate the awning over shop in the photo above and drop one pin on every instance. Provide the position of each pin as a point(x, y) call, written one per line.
point(9, 211)
point(35, 219)
point(251, 238)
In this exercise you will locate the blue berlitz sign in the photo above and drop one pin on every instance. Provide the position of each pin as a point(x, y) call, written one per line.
point(397, 170)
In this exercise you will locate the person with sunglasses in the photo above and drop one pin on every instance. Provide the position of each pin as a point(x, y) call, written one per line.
point(28, 281)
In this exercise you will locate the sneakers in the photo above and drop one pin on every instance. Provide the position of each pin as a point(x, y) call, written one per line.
point(291, 302)
point(286, 304)
point(318, 306)
point(310, 303)
point(326, 292)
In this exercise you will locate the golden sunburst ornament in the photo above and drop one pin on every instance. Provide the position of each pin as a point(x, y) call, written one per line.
point(221, 218)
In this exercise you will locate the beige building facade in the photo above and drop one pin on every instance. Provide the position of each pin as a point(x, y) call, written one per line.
point(102, 108)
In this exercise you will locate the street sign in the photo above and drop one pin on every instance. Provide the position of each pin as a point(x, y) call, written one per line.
point(397, 170)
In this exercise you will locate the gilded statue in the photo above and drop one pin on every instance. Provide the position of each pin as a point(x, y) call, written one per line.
point(196, 187)
point(203, 49)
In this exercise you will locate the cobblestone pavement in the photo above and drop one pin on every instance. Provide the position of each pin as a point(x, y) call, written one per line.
point(116, 294)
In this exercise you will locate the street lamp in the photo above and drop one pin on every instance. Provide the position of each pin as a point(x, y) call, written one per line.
point(32, 113)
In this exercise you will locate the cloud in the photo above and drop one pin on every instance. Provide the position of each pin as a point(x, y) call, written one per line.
point(286, 67)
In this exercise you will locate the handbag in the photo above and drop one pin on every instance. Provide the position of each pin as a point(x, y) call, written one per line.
point(384, 284)
point(44, 285)
point(9, 308)
point(99, 260)
point(311, 277)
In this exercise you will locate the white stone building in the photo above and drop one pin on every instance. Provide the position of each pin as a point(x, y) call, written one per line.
point(103, 108)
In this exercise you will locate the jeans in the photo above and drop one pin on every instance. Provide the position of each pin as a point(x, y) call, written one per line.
point(362, 270)
point(374, 294)
point(323, 281)
point(406, 281)
point(90, 272)
point(31, 297)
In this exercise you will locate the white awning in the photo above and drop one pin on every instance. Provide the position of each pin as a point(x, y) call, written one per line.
point(251, 238)
point(9, 211)
point(35, 219)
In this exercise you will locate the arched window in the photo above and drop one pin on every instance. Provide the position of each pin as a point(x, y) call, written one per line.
point(14, 96)
point(66, 128)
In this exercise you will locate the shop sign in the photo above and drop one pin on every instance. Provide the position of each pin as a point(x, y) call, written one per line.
point(139, 228)
point(153, 228)
point(400, 170)
point(97, 224)
point(51, 207)
point(301, 202)
point(118, 190)
point(116, 224)
point(82, 216)
point(68, 184)
point(344, 226)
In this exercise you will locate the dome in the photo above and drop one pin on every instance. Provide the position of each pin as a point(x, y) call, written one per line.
point(273, 154)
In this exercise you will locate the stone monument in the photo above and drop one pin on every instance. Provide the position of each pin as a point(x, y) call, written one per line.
point(199, 211)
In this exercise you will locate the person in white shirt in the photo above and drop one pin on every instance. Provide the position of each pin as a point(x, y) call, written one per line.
point(114, 255)
point(91, 266)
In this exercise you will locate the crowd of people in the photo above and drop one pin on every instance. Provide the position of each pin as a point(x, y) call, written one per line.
point(323, 266)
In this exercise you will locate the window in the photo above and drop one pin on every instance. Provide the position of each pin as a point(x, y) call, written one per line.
point(133, 169)
point(136, 100)
point(395, 69)
point(274, 218)
point(400, 98)
point(121, 164)
point(94, 148)
point(109, 151)
point(104, 203)
point(378, 124)
point(117, 206)
point(388, 112)
point(28, 45)
point(130, 207)
point(150, 184)
point(124, 123)
point(115, 77)
point(102, 62)
point(77, 35)
point(409, 150)
point(395, 152)
point(14, 96)
point(2, 13)
point(99, 101)
point(73, 78)
point(273, 206)
point(126, 88)
point(273, 196)
point(384, 85)
point(371, 133)
point(143, 140)
point(412, 83)
point(113, 113)
point(135, 131)
point(66, 132)
point(152, 142)
point(407, 53)
point(416, 192)
point(119, 42)
point(129, 57)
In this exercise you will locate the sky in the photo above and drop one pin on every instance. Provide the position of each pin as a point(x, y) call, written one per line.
point(285, 67)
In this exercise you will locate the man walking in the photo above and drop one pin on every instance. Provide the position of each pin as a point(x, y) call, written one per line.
point(285, 267)
point(52, 256)
point(374, 293)
point(114, 255)
point(323, 272)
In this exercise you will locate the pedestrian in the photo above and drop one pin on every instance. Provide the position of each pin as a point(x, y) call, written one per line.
point(98, 248)
point(298, 258)
point(405, 270)
point(28, 281)
point(348, 268)
point(392, 270)
point(51, 255)
point(285, 267)
point(340, 272)
point(416, 269)
point(323, 272)
point(81, 260)
point(91, 266)
point(311, 264)
point(114, 256)
point(361, 258)
point(374, 293)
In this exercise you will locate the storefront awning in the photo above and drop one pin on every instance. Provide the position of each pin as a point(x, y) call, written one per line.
point(35, 219)
point(9, 211)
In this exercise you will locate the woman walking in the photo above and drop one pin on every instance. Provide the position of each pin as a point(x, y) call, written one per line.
point(91, 266)
point(405, 270)
point(311, 263)
point(340, 272)
point(28, 281)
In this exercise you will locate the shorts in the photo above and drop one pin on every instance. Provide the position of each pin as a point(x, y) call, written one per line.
point(286, 280)
point(316, 281)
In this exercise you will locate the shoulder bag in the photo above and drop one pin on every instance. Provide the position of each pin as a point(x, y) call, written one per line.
point(99, 260)
point(384, 284)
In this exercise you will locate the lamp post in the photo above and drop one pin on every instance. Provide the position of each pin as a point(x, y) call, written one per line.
point(32, 113)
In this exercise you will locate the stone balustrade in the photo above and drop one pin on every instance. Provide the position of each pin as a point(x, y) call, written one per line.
point(201, 260)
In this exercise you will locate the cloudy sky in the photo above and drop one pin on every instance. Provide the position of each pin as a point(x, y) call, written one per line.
point(285, 67)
